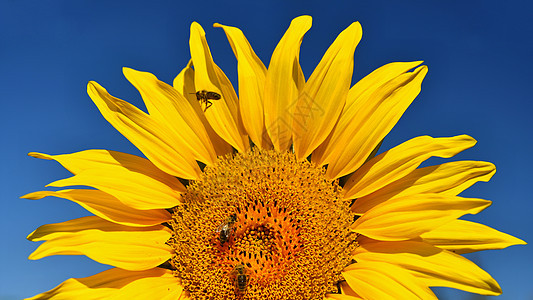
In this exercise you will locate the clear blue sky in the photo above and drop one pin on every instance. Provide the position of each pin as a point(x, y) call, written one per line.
point(479, 55)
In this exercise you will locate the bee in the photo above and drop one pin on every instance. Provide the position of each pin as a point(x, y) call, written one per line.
point(226, 229)
point(241, 278)
point(205, 96)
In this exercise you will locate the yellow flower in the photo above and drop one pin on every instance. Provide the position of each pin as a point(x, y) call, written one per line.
point(275, 194)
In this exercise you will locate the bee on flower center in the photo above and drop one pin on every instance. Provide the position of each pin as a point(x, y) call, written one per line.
point(241, 278)
point(226, 229)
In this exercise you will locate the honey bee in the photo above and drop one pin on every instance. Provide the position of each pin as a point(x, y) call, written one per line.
point(241, 278)
point(205, 96)
point(226, 229)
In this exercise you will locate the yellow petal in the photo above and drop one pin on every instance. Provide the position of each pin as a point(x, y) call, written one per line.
point(51, 231)
point(374, 116)
point(322, 99)
point(348, 291)
point(111, 161)
point(133, 189)
point(162, 287)
point(400, 161)
point(153, 139)
point(167, 106)
point(361, 91)
point(407, 217)
point(283, 83)
point(184, 84)
point(446, 179)
point(99, 286)
point(252, 73)
point(378, 280)
point(108, 207)
point(464, 237)
point(129, 248)
point(433, 266)
point(223, 115)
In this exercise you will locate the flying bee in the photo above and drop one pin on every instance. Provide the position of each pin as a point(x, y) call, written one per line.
point(226, 229)
point(241, 278)
point(205, 96)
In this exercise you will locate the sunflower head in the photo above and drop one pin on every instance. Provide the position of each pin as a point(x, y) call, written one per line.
point(263, 225)
point(276, 193)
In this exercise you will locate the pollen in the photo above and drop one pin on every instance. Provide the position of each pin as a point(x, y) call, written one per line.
point(288, 237)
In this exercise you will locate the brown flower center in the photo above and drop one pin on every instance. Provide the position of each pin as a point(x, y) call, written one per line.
point(262, 225)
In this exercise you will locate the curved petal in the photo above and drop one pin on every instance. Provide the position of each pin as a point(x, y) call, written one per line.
point(108, 207)
point(367, 85)
point(433, 266)
point(153, 139)
point(133, 189)
point(373, 116)
point(168, 107)
point(111, 161)
point(51, 231)
point(348, 291)
point(184, 84)
point(407, 217)
point(252, 73)
point(379, 280)
point(283, 83)
point(164, 287)
point(447, 179)
point(322, 99)
point(462, 237)
point(400, 161)
point(223, 115)
point(129, 248)
point(99, 286)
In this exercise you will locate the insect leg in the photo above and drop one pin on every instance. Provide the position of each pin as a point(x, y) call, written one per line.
point(207, 104)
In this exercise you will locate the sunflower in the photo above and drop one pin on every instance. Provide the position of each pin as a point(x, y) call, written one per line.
point(274, 194)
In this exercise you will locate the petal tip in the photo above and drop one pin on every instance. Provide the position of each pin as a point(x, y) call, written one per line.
point(93, 87)
point(30, 238)
point(492, 169)
point(33, 256)
point(356, 25)
point(127, 70)
point(31, 196)
point(40, 155)
point(195, 26)
point(134, 76)
point(520, 242)
point(304, 20)
point(423, 69)
point(469, 138)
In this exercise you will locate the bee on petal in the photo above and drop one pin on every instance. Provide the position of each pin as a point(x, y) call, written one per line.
point(205, 98)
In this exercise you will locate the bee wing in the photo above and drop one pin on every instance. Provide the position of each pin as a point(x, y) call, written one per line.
point(210, 95)
point(223, 226)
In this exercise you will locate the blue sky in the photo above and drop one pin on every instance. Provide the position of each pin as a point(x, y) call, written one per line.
point(479, 55)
